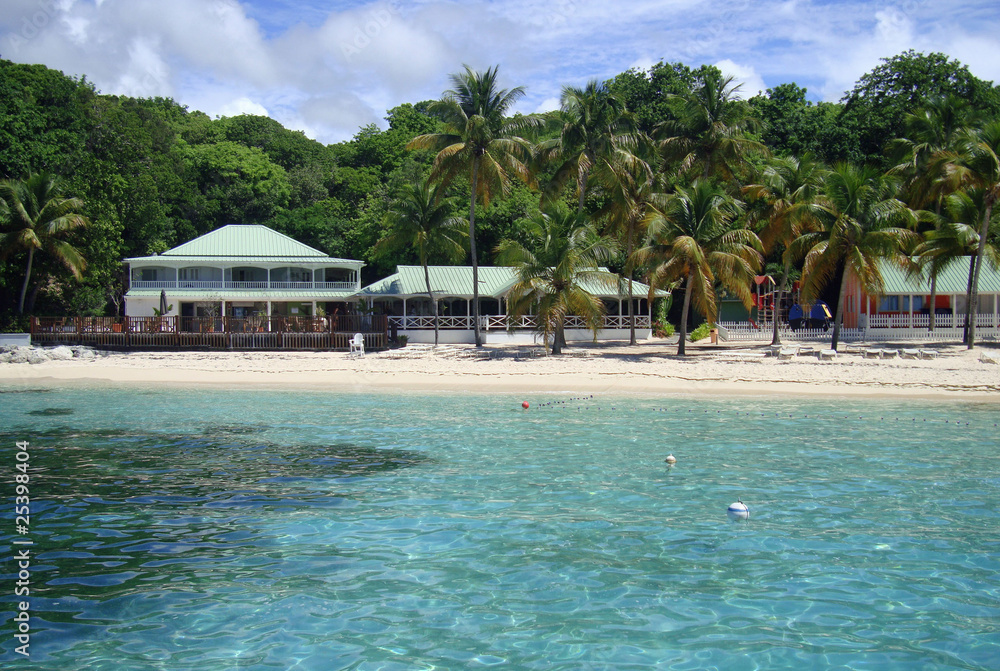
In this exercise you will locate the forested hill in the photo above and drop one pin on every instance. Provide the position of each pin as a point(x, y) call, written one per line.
point(154, 174)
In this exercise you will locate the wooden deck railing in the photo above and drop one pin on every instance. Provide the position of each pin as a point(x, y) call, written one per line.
point(265, 333)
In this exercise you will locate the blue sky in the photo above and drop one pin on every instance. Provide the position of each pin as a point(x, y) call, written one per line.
point(328, 68)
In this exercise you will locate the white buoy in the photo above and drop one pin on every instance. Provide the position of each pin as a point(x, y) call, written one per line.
point(738, 511)
point(671, 459)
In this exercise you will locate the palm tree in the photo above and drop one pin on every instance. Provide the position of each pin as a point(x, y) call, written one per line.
point(562, 251)
point(696, 240)
point(862, 222)
point(596, 126)
point(788, 188)
point(955, 237)
point(35, 217)
point(979, 164)
point(709, 136)
point(924, 157)
point(631, 197)
point(421, 218)
point(478, 140)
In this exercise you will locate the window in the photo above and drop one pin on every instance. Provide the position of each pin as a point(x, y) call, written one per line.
point(889, 304)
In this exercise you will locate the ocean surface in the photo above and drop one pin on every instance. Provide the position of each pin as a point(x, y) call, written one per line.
point(228, 529)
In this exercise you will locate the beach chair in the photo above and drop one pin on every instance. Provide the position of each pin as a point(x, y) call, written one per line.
point(787, 353)
point(826, 354)
point(873, 354)
point(928, 354)
point(357, 345)
point(986, 358)
point(890, 353)
point(909, 353)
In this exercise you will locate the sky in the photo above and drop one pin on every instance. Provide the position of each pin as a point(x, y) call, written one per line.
point(330, 68)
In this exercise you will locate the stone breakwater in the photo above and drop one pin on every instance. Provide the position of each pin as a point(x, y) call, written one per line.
point(37, 355)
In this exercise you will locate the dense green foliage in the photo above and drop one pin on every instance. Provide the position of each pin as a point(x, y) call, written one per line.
point(151, 174)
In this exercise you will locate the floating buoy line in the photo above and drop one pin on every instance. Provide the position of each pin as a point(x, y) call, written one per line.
point(583, 403)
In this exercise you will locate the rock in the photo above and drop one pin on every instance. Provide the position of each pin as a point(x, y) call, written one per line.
point(37, 356)
point(20, 355)
point(5, 357)
point(85, 353)
point(60, 353)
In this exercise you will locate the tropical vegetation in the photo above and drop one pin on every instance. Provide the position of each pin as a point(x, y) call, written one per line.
point(691, 185)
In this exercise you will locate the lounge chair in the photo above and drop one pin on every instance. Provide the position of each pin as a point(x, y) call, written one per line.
point(787, 353)
point(928, 354)
point(826, 354)
point(357, 345)
point(873, 354)
point(986, 358)
point(890, 353)
point(910, 353)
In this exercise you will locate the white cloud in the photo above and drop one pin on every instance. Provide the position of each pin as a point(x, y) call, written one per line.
point(749, 81)
point(548, 105)
point(328, 68)
point(243, 106)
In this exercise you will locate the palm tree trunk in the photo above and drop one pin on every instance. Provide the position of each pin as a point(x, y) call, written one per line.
point(973, 308)
point(930, 311)
point(557, 337)
point(27, 277)
point(631, 308)
point(472, 251)
point(775, 336)
point(581, 186)
point(840, 311)
point(434, 303)
point(684, 316)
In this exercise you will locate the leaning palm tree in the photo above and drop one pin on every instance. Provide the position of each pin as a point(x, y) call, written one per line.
point(924, 157)
point(478, 140)
point(35, 217)
point(957, 236)
point(862, 222)
point(596, 126)
point(784, 196)
point(697, 240)
point(420, 218)
point(978, 164)
point(709, 137)
point(562, 250)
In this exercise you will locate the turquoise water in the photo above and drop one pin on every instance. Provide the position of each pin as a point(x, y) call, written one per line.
point(216, 529)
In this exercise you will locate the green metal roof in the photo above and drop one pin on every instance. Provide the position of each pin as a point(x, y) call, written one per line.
point(954, 279)
point(227, 295)
point(239, 243)
point(494, 281)
point(171, 261)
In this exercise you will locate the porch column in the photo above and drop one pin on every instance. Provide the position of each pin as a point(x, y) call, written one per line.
point(911, 311)
point(222, 313)
point(954, 311)
point(314, 308)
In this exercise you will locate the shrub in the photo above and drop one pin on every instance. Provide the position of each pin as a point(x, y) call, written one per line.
point(700, 332)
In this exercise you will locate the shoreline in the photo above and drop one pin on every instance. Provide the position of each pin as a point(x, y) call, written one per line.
point(649, 368)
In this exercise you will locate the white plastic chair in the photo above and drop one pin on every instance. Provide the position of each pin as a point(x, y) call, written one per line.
point(357, 345)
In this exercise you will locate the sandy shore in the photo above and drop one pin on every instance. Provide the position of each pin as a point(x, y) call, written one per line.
point(650, 367)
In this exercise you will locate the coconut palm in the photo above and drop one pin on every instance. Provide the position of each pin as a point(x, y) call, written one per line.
point(631, 196)
point(562, 250)
point(787, 188)
point(924, 156)
point(478, 140)
point(709, 137)
point(696, 239)
point(35, 217)
point(421, 218)
point(955, 237)
point(862, 222)
point(596, 126)
point(978, 164)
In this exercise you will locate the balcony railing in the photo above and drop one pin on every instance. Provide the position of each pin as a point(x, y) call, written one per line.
point(501, 322)
point(241, 286)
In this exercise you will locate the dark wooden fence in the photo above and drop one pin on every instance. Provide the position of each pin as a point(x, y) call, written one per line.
point(249, 333)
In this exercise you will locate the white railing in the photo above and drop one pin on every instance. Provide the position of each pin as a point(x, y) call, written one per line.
point(902, 321)
point(986, 329)
point(200, 284)
point(503, 322)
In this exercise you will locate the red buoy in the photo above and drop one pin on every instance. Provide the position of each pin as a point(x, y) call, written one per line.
point(525, 405)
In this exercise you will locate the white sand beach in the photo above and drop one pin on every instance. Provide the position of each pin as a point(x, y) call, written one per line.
point(650, 367)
